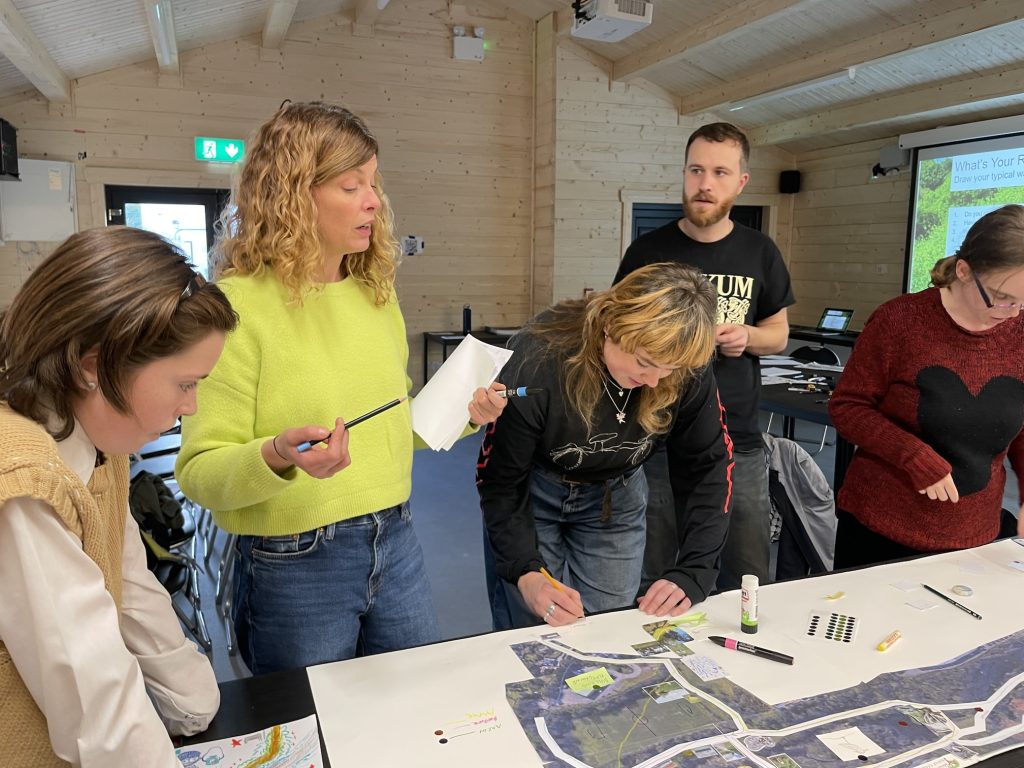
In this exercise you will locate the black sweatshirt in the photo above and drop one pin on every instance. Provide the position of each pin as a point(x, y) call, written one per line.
point(544, 430)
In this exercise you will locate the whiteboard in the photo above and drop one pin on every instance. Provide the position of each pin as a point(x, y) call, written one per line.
point(42, 205)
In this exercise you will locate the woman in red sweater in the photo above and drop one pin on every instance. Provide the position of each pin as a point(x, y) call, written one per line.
point(933, 398)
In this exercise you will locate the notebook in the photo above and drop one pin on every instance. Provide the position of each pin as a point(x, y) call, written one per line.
point(835, 320)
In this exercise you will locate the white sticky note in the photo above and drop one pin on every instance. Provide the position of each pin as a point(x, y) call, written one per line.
point(850, 744)
point(703, 667)
point(54, 180)
point(922, 605)
point(1016, 564)
point(971, 566)
point(906, 585)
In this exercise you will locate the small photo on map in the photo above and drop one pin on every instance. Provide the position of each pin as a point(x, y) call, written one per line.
point(783, 761)
point(652, 648)
point(670, 690)
point(729, 752)
point(670, 635)
point(705, 752)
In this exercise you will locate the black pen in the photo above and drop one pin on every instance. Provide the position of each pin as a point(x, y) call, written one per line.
point(753, 650)
point(951, 601)
point(520, 392)
point(303, 447)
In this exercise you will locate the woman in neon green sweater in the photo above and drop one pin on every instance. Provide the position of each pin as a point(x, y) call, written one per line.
point(329, 564)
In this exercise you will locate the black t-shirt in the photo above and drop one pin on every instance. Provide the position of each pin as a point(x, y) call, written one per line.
point(543, 430)
point(753, 283)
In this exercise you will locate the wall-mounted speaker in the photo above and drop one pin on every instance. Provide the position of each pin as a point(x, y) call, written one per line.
point(8, 151)
point(789, 182)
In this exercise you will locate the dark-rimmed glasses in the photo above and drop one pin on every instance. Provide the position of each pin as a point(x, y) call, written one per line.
point(988, 302)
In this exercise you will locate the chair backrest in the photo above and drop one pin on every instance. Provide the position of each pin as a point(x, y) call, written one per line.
point(809, 354)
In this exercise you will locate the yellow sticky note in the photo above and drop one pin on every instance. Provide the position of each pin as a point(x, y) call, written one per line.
point(588, 681)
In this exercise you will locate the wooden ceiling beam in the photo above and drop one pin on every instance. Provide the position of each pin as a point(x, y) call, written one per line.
point(366, 12)
point(976, 17)
point(19, 44)
point(716, 29)
point(160, 17)
point(973, 89)
point(277, 23)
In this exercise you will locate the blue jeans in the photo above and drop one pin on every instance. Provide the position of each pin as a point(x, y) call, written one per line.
point(599, 558)
point(354, 587)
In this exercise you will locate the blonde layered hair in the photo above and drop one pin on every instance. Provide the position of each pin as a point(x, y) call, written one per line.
point(667, 310)
point(272, 222)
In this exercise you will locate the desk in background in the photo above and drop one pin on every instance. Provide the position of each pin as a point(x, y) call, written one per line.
point(452, 339)
point(806, 406)
point(386, 709)
point(810, 333)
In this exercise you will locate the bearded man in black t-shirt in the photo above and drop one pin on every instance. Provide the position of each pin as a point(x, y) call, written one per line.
point(754, 289)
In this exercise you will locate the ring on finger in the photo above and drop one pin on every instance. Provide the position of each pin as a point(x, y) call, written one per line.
point(550, 611)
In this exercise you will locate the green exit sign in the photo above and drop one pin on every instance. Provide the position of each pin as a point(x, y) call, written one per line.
point(211, 150)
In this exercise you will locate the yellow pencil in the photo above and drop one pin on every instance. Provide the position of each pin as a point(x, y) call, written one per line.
point(551, 579)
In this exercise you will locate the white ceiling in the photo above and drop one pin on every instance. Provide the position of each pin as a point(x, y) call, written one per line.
point(917, 64)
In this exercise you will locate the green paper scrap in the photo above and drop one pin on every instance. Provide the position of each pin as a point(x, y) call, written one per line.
point(588, 681)
point(697, 617)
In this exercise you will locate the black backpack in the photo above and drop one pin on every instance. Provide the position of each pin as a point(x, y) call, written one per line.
point(155, 509)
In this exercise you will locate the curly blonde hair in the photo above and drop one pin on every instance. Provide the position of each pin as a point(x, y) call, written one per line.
point(668, 310)
point(272, 219)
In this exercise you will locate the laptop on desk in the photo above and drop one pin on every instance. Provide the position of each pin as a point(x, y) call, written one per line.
point(833, 321)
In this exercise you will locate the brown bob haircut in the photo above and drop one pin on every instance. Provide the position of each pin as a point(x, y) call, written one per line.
point(127, 294)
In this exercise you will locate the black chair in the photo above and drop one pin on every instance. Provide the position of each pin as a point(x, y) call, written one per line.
point(820, 354)
point(171, 551)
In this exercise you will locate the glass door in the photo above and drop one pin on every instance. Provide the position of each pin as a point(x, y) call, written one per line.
point(185, 217)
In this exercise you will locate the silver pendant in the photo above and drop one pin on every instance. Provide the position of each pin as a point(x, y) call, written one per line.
point(620, 416)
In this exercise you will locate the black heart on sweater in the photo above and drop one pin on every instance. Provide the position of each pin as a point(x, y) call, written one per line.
point(967, 430)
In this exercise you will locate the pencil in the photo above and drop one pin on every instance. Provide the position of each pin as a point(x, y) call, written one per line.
point(951, 601)
point(303, 447)
point(551, 579)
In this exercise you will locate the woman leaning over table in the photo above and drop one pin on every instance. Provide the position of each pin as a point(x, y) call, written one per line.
point(100, 352)
point(329, 564)
point(560, 475)
point(933, 398)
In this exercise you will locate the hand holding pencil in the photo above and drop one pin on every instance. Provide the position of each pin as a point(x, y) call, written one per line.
point(549, 599)
point(282, 451)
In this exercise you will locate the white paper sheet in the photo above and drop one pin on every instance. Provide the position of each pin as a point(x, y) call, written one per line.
point(439, 412)
point(289, 745)
point(779, 372)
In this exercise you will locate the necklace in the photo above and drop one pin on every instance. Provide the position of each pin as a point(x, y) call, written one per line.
point(620, 413)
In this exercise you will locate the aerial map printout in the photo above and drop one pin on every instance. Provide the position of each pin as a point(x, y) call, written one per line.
point(603, 710)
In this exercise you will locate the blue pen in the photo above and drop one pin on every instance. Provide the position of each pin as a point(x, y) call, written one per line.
point(520, 392)
point(303, 447)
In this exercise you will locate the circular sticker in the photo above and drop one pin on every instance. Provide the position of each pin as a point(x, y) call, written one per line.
point(963, 590)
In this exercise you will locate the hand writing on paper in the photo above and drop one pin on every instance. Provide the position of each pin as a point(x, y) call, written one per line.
point(664, 599)
point(558, 606)
point(944, 490)
point(732, 339)
point(486, 405)
point(321, 461)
